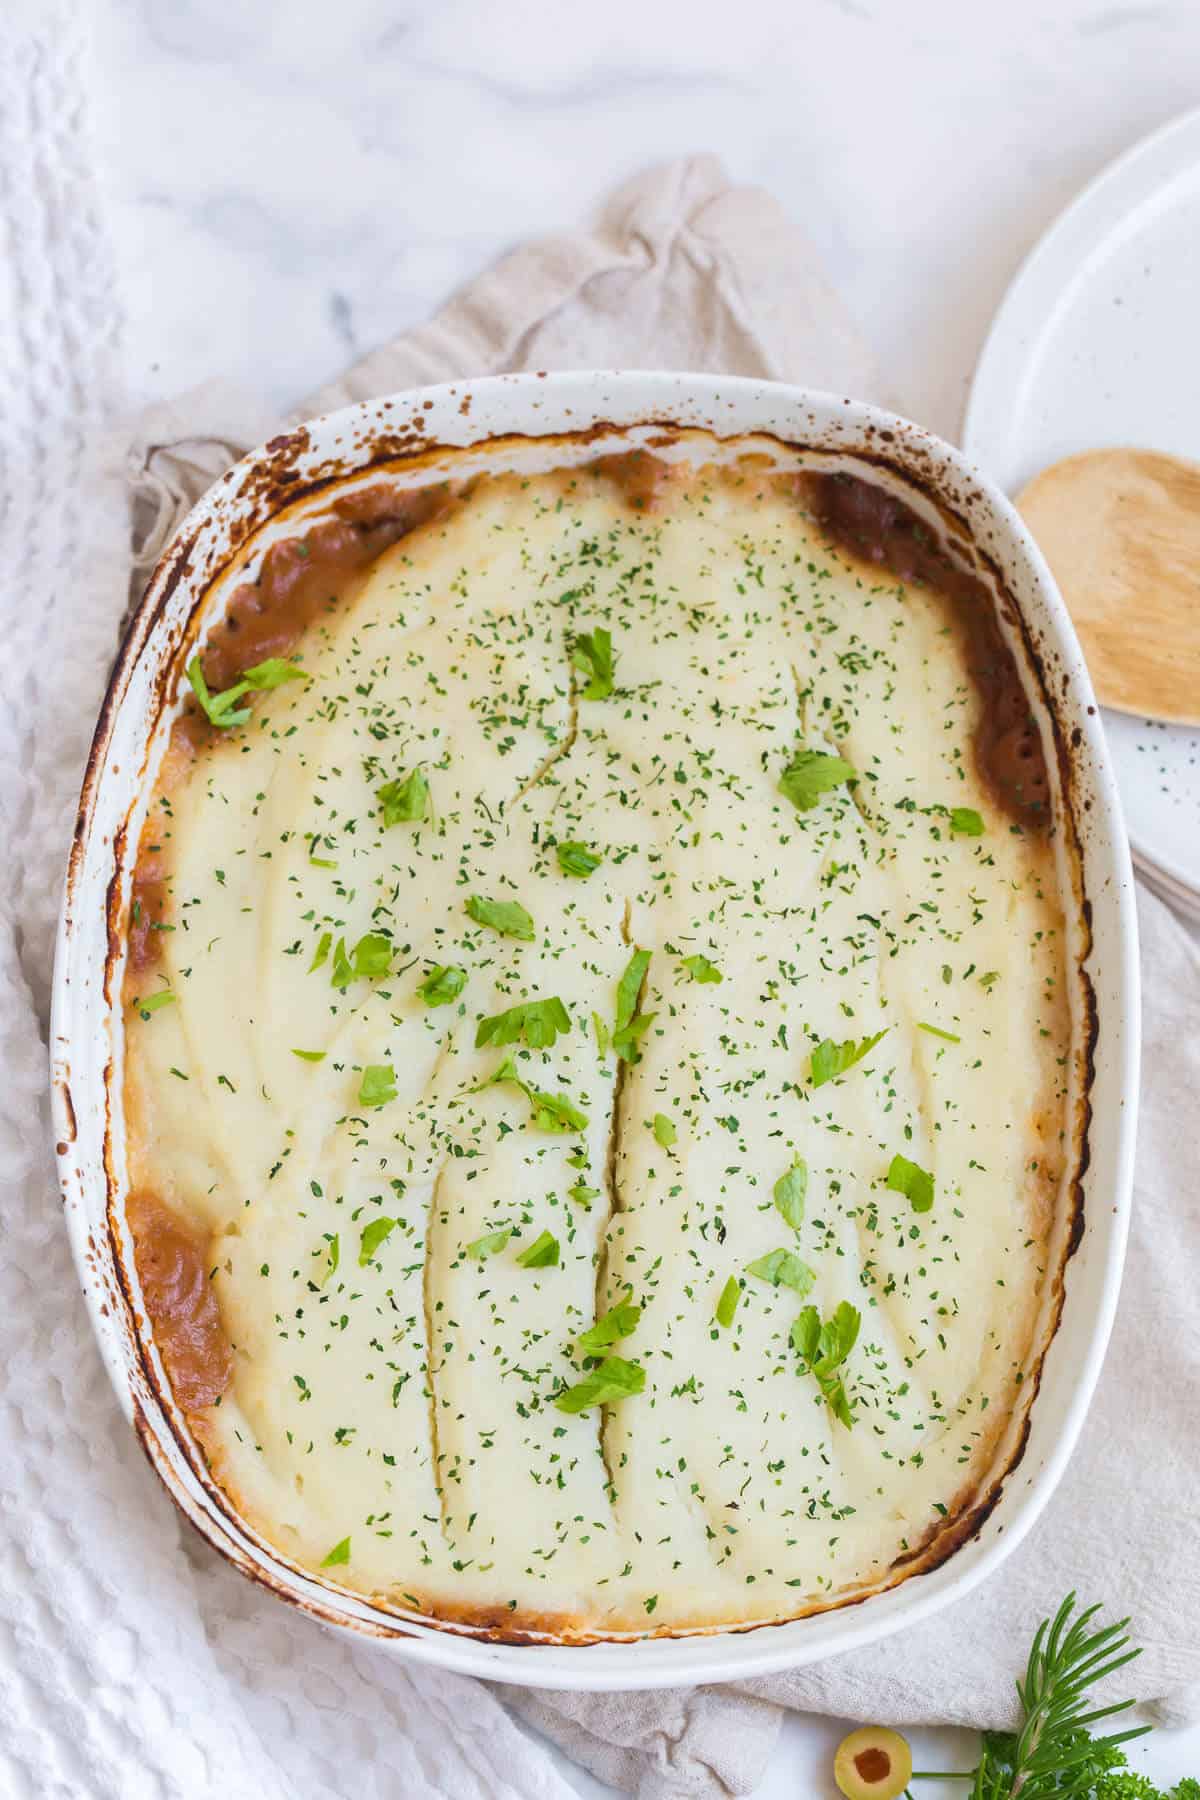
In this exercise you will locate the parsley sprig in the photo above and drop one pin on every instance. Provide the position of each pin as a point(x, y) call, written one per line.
point(539, 1022)
point(615, 1379)
point(592, 657)
point(508, 917)
point(824, 1348)
point(630, 1023)
point(222, 709)
point(830, 1060)
point(404, 801)
point(551, 1112)
point(812, 773)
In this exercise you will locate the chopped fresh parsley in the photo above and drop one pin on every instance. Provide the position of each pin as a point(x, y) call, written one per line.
point(313, 1056)
point(904, 1177)
point(782, 1268)
point(790, 1190)
point(378, 1085)
point(583, 1195)
point(812, 773)
point(700, 969)
point(222, 709)
point(554, 1112)
point(539, 1022)
point(824, 1348)
point(577, 859)
point(592, 657)
point(333, 1253)
point(372, 1236)
point(406, 801)
point(508, 917)
point(490, 1244)
point(551, 1112)
point(339, 1554)
point(966, 822)
point(615, 1379)
point(443, 984)
point(731, 1293)
point(951, 1037)
point(153, 1002)
point(664, 1130)
point(631, 1024)
point(613, 1325)
point(542, 1253)
point(370, 958)
point(830, 1060)
point(321, 952)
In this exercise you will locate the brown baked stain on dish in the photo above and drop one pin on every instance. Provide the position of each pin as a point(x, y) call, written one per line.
point(299, 574)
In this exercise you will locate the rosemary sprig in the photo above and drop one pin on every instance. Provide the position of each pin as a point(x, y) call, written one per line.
point(1054, 1756)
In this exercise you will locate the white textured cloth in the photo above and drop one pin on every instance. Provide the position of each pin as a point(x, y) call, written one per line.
point(132, 1661)
point(134, 1665)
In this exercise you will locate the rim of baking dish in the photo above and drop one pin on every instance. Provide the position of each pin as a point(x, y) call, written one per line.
point(385, 435)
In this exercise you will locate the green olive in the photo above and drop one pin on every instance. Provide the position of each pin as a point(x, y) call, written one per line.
point(872, 1764)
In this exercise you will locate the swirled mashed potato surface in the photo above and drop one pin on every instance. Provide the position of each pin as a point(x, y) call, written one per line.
point(614, 1070)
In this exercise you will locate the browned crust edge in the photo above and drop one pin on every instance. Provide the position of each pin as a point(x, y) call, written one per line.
point(275, 489)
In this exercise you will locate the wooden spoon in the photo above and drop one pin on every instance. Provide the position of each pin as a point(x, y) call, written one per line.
point(1121, 531)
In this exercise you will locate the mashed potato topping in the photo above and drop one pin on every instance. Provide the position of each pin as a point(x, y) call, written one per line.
point(600, 1038)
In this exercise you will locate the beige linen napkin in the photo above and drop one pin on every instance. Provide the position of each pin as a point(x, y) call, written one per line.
point(683, 270)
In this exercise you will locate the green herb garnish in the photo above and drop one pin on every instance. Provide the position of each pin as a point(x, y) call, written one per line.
point(790, 1190)
point(614, 1380)
point(539, 1022)
point(616, 1324)
point(508, 917)
point(378, 1085)
point(664, 1130)
point(731, 1293)
point(551, 1112)
point(542, 1253)
point(824, 1348)
point(339, 1554)
point(221, 709)
point(312, 1056)
point(631, 1024)
point(700, 969)
point(592, 657)
point(406, 801)
point(577, 859)
point(370, 958)
point(951, 1037)
point(812, 773)
point(782, 1268)
point(372, 1236)
point(333, 1253)
point(904, 1177)
point(830, 1060)
point(443, 984)
point(153, 1002)
point(490, 1244)
point(966, 822)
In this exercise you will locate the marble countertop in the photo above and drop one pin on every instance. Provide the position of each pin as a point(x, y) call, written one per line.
point(290, 182)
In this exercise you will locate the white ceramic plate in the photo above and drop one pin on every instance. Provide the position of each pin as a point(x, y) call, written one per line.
point(1095, 346)
point(505, 417)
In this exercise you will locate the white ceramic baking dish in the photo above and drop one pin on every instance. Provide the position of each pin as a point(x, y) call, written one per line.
point(263, 497)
